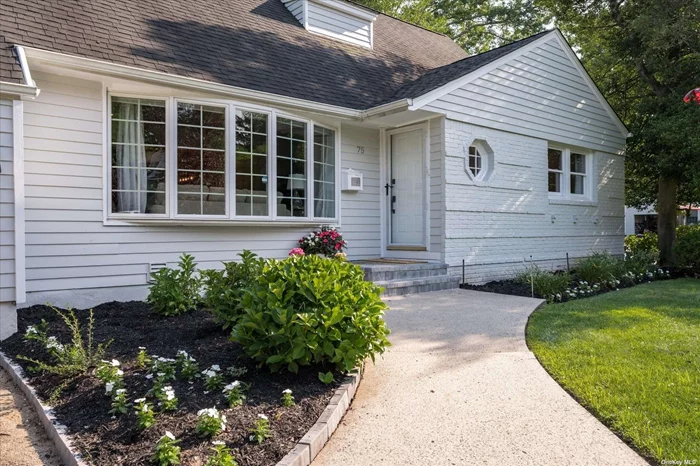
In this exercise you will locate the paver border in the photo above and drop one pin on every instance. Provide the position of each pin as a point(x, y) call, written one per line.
point(55, 431)
point(320, 433)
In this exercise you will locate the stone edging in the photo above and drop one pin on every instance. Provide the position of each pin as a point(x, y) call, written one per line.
point(311, 444)
point(54, 430)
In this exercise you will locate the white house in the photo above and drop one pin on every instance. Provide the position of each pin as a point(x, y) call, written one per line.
point(135, 131)
point(638, 221)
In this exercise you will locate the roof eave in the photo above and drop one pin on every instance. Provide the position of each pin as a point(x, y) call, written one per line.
point(23, 91)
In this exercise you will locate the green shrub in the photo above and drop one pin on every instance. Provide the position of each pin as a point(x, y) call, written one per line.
point(175, 291)
point(224, 288)
point(687, 248)
point(309, 309)
point(545, 283)
point(648, 242)
point(70, 359)
point(600, 267)
point(641, 262)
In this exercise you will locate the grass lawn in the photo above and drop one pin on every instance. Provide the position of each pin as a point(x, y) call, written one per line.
point(633, 358)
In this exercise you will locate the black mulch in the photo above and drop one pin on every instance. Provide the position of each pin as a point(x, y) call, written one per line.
point(103, 440)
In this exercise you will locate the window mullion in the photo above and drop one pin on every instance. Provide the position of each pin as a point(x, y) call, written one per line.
point(272, 165)
point(310, 209)
point(171, 156)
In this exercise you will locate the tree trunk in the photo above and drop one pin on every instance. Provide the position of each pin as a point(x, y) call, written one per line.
point(667, 207)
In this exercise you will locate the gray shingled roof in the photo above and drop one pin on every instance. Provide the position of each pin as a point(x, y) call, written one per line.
point(254, 44)
point(10, 71)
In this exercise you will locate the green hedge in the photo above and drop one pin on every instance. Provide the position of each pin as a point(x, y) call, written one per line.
point(687, 248)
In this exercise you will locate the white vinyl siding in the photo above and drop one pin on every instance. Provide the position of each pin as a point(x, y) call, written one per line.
point(496, 227)
point(330, 22)
point(540, 94)
point(69, 248)
point(7, 207)
point(296, 7)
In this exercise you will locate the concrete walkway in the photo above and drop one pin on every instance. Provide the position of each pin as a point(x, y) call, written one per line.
point(459, 387)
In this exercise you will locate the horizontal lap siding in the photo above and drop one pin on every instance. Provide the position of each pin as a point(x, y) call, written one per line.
point(342, 26)
point(541, 94)
point(7, 206)
point(496, 227)
point(360, 210)
point(69, 247)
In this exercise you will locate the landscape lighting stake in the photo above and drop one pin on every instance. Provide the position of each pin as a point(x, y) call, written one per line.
point(567, 263)
point(532, 278)
point(462, 271)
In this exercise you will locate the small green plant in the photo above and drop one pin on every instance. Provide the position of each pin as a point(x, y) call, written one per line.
point(545, 284)
point(109, 372)
point(189, 369)
point(210, 422)
point(224, 288)
point(166, 398)
point(260, 430)
point(287, 398)
point(212, 379)
point(309, 309)
point(119, 402)
point(167, 452)
point(175, 291)
point(145, 416)
point(600, 267)
point(72, 359)
point(640, 262)
point(234, 394)
point(37, 332)
point(222, 456)
point(142, 359)
point(687, 248)
point(326, 378)
point(163, 367)
point(235, 372)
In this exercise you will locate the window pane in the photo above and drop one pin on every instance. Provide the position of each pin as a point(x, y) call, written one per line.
point(554, 182)
point(554, 157)
point(291, 168)
point(578, 163)
point(251, 160)
point(201, 160)
point(324, 172)
point(138, 156)
point(577, 184)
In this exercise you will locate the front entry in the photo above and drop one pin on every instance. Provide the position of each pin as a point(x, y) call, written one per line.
point(407, 188)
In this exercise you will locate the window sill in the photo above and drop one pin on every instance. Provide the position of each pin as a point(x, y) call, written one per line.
point(577, 202)
point(214, 222)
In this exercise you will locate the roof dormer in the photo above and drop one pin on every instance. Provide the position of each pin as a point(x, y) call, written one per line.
point(337, 19)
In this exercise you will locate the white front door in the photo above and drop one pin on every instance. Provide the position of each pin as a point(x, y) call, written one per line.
point(407, 204)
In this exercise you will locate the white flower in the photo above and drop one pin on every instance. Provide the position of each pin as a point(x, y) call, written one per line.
point(160, 374)
point(149, 376)
point(182, 352)
point(139, 400)
point(209, 373)
point(169, 435)
point(231, 386)
point(115, 363)
point(145, 408)
point(120, 391)
point(169, 393)
point(287, 391)
point(218, 442)
point(31, 330)
point(211, 412)
point(252, 437)
point(109, 386)
point(53, 343)
point(142, 347)
point(262, 416)
point(215, 367)
point(120, 372)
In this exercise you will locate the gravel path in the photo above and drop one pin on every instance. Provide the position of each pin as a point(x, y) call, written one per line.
point(23, 441)
point(460, 387)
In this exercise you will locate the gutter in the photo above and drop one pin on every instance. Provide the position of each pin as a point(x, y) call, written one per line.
point(158, 77)
point(27, 89)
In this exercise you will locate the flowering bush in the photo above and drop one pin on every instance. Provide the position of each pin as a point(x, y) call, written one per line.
point(167, 399)
point(119, 403)
point(544, 283)
point(647, 242)
point(212, 378)
point(222, 456)
point(309, 309)
point(167, 452)
point(145, 417)
point(234, 394)
point(296, 252)
point(163, 367)
point(260, 430)
point(109, 373)
point(287, 398)
point(327, 241)
point(687, 248)
point(188, 365)
point(210, 422)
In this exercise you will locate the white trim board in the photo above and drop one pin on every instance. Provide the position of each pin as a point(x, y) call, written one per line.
point(18, 173)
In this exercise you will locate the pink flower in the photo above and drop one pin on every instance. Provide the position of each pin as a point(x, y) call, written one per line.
point(296, 252)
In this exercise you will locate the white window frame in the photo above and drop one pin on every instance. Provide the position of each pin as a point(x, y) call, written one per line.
point(171, 216)
point(565, 194)
point(483, 155)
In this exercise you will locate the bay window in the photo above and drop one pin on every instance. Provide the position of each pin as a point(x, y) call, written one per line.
point(172, 159)
point(569, 174)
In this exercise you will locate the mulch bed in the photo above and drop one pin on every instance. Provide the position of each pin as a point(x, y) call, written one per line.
point(83, 406)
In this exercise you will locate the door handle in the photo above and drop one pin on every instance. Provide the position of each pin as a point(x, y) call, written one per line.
point(389, 186)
